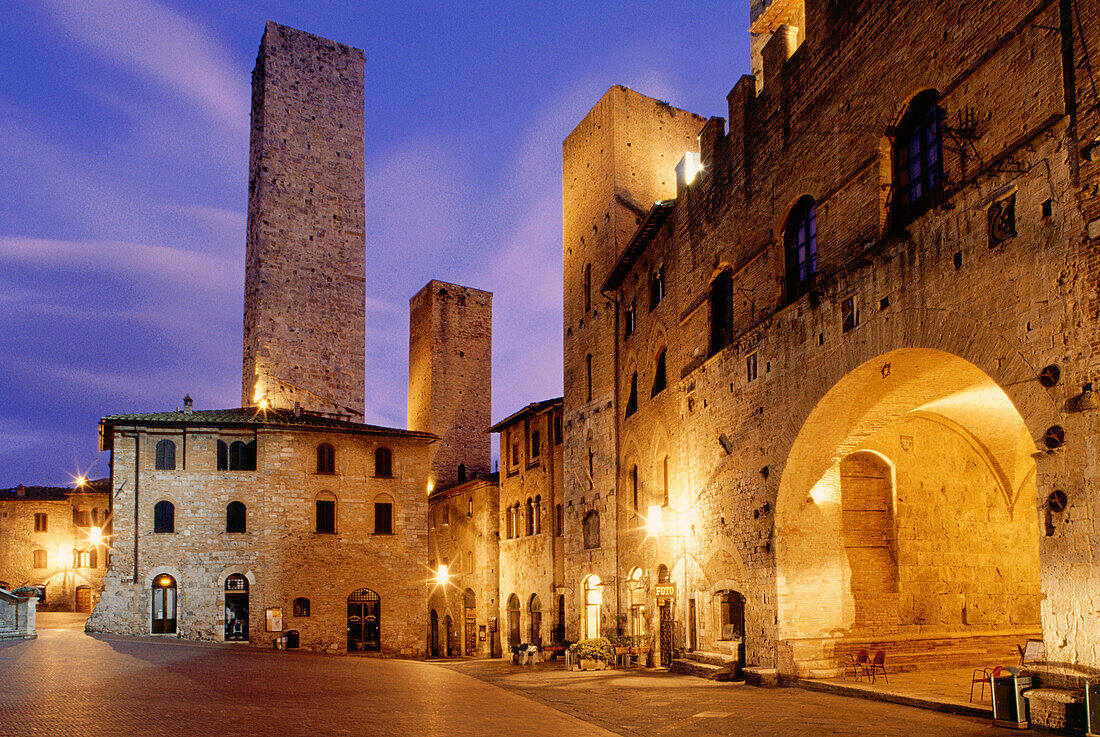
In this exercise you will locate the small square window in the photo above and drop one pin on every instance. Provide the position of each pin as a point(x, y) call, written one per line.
point(41, 522)
point(750, 366)
point(1048, 208)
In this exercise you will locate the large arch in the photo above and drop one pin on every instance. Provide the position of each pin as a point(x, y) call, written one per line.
point(906, 504)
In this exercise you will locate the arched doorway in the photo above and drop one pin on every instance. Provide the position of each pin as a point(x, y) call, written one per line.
point(593, 601)
point(164, 605)
point(364, 621)
point(236, 607)
point(637, 604)
point(905, 511)
point(513, 620)
point(433, 633)
point(469, 604)
point(83, 598)
point(559, 628)
point(449, 624)
point(534, 620)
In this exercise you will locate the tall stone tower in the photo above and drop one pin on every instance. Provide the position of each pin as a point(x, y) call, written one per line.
point(450, 377)
point(615, 164)
point(304, 303)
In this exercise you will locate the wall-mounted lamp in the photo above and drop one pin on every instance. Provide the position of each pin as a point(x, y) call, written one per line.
point(654, 520)
point(441, 576)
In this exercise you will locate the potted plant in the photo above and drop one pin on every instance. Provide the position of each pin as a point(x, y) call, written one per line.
point(557, 648)
point(592, 654)
point(638, 646)
point(621, 643)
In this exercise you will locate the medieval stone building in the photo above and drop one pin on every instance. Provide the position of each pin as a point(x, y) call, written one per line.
point(828, 373)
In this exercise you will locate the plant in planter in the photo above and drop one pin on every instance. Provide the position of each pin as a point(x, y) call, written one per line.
point(592, 654)
point(638, 645)
point(621, 643)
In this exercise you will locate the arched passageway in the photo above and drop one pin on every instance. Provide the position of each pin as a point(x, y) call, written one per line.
point(906, 516)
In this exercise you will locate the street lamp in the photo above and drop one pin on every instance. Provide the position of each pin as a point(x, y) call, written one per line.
point(441, 575)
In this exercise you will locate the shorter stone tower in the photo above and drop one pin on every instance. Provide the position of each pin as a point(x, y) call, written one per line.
point(450, 373)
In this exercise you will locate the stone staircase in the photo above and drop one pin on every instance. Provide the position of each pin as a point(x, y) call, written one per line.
point(912, 652)
point(712, 666)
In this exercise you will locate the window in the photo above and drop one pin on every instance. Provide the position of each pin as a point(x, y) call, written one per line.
point(721, 311)
point(40, 559)
point(538, 514)
point(750, 366)
point(300, 607)
point(326, 514)
point(236, 516)
point(446, 515)
point(731, 614)
point(85, 558)
point(632, 400)
point(664, 480)
point(629, 319)
point(535, 444)
point(591, 467)
point(383, 462)
point(849, 315)
point(588, 369)
point(515, 454)
point(558, 436)
point(81, 518)
point(587, 287)
point(93, 558)
point(509, 531)
point(659, 380)
point(593, 599)
point(166, 456)
point(634, 485)
point(164, 517)
point(461, 473)
point(530, 517)
point(469, 563)
point(383, 518)
point(656, 288)
point(326, 458)
point(800, 239)
point(41, 522)
point(237, 456)
point(918, 158)
point(559, 520)
point(591, 529)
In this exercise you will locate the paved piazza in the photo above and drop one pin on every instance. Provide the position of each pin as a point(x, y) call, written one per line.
point(69, 683)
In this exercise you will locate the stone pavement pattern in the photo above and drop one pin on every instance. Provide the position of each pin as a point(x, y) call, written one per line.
point(70, 683)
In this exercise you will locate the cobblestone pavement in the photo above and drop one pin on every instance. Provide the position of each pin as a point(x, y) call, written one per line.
point(72, 684)
point(639, 702)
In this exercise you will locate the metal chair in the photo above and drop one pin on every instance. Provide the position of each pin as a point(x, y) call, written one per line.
point(983, 676)
point(878, 665)
point(857, 663)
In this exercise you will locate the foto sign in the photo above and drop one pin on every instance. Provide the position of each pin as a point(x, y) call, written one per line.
point(666, 591)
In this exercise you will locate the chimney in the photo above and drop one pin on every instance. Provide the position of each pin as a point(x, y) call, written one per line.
point(297, 409)
point(188, 405)
point(21, 491)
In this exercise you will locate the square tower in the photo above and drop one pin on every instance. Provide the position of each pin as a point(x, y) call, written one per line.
point(450, 377)
point(305, 268)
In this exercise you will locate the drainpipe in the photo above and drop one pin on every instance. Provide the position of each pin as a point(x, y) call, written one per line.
point(615, 425)
point(137, 488)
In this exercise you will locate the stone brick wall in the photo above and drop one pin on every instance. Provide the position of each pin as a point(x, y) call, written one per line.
point(532, 565)
point(463, 535)
point(948, 325)
point(305, 261)
point(450, 377)
point(280, 554)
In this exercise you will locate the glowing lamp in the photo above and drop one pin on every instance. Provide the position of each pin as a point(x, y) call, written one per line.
point(654, 522)
point(81, 480)
point(441, 575)
point(95, 535)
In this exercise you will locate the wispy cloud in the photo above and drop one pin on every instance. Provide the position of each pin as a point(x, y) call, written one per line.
point(156, 41)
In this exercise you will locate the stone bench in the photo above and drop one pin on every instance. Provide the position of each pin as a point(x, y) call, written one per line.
point(1056, 709)
point(762, 677)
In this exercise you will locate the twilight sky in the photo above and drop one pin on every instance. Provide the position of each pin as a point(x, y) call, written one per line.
point(123, 187)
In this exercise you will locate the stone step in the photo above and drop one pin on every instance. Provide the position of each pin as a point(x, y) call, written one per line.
point(710, 658)
point(701, 670)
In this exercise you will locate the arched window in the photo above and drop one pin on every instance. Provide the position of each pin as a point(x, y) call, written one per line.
point(632, 400)
point(236, 516)
point(721, 311)
point(237, 456)
point(800, 239)
point(591, 530)
point(326, 458)
point(662, 574)
point(664, 480)
point(164, 517)
point(559, 520)
point(538, 513)
point(461, 473)
point(164, 604)
point(383, 462)
point(300, 607)
point(918, 158)
point(593, 600)
point(656, 287)
point(325, 520)
point(659, 379)
point(530, 526)
point(634, 486)
point(166, 456)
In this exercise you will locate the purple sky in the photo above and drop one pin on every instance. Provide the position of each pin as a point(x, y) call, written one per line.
point(123, 186)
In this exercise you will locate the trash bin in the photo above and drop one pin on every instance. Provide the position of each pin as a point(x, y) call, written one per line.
point(1092, 707)
point(292, 640)
point(1009, 704)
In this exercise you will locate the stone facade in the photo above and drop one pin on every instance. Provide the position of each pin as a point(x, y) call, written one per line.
point(463, 536)
point(450, 377)
point(47, 541)
point(305, 267)
point(532, 513)
point(284, 550)
point(873, 448)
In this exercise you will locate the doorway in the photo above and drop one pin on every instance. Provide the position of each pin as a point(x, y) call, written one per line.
point(83, 599)
point(364, 622)
point(236, 607)
point(534, 612)
point(450, 635)
point(469, 603)
point(164, 605)
point(513, 620)
point(433, 633)
point(666, 634)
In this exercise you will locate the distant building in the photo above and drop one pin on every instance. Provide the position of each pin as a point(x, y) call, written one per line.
point(54, 539)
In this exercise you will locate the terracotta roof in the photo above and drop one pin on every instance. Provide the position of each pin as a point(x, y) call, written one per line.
point(53, 493)
point(253, 416)
point(654, 219)
point(477, 478)
point(533, 408)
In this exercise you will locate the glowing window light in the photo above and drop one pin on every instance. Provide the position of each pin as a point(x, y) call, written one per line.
point(654, 521)
point(95, 535)
point(441, 575)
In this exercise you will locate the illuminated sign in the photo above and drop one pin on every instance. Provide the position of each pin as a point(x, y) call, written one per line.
point(666, 591)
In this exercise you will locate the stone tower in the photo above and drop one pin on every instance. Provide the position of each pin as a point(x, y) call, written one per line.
point(450, 374)
point(304, 305)
point(615, 164)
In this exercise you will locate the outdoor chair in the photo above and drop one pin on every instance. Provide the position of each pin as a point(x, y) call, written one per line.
point(858, 663)
point(983, 676)
point(878, 665)
point(1031, 650)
